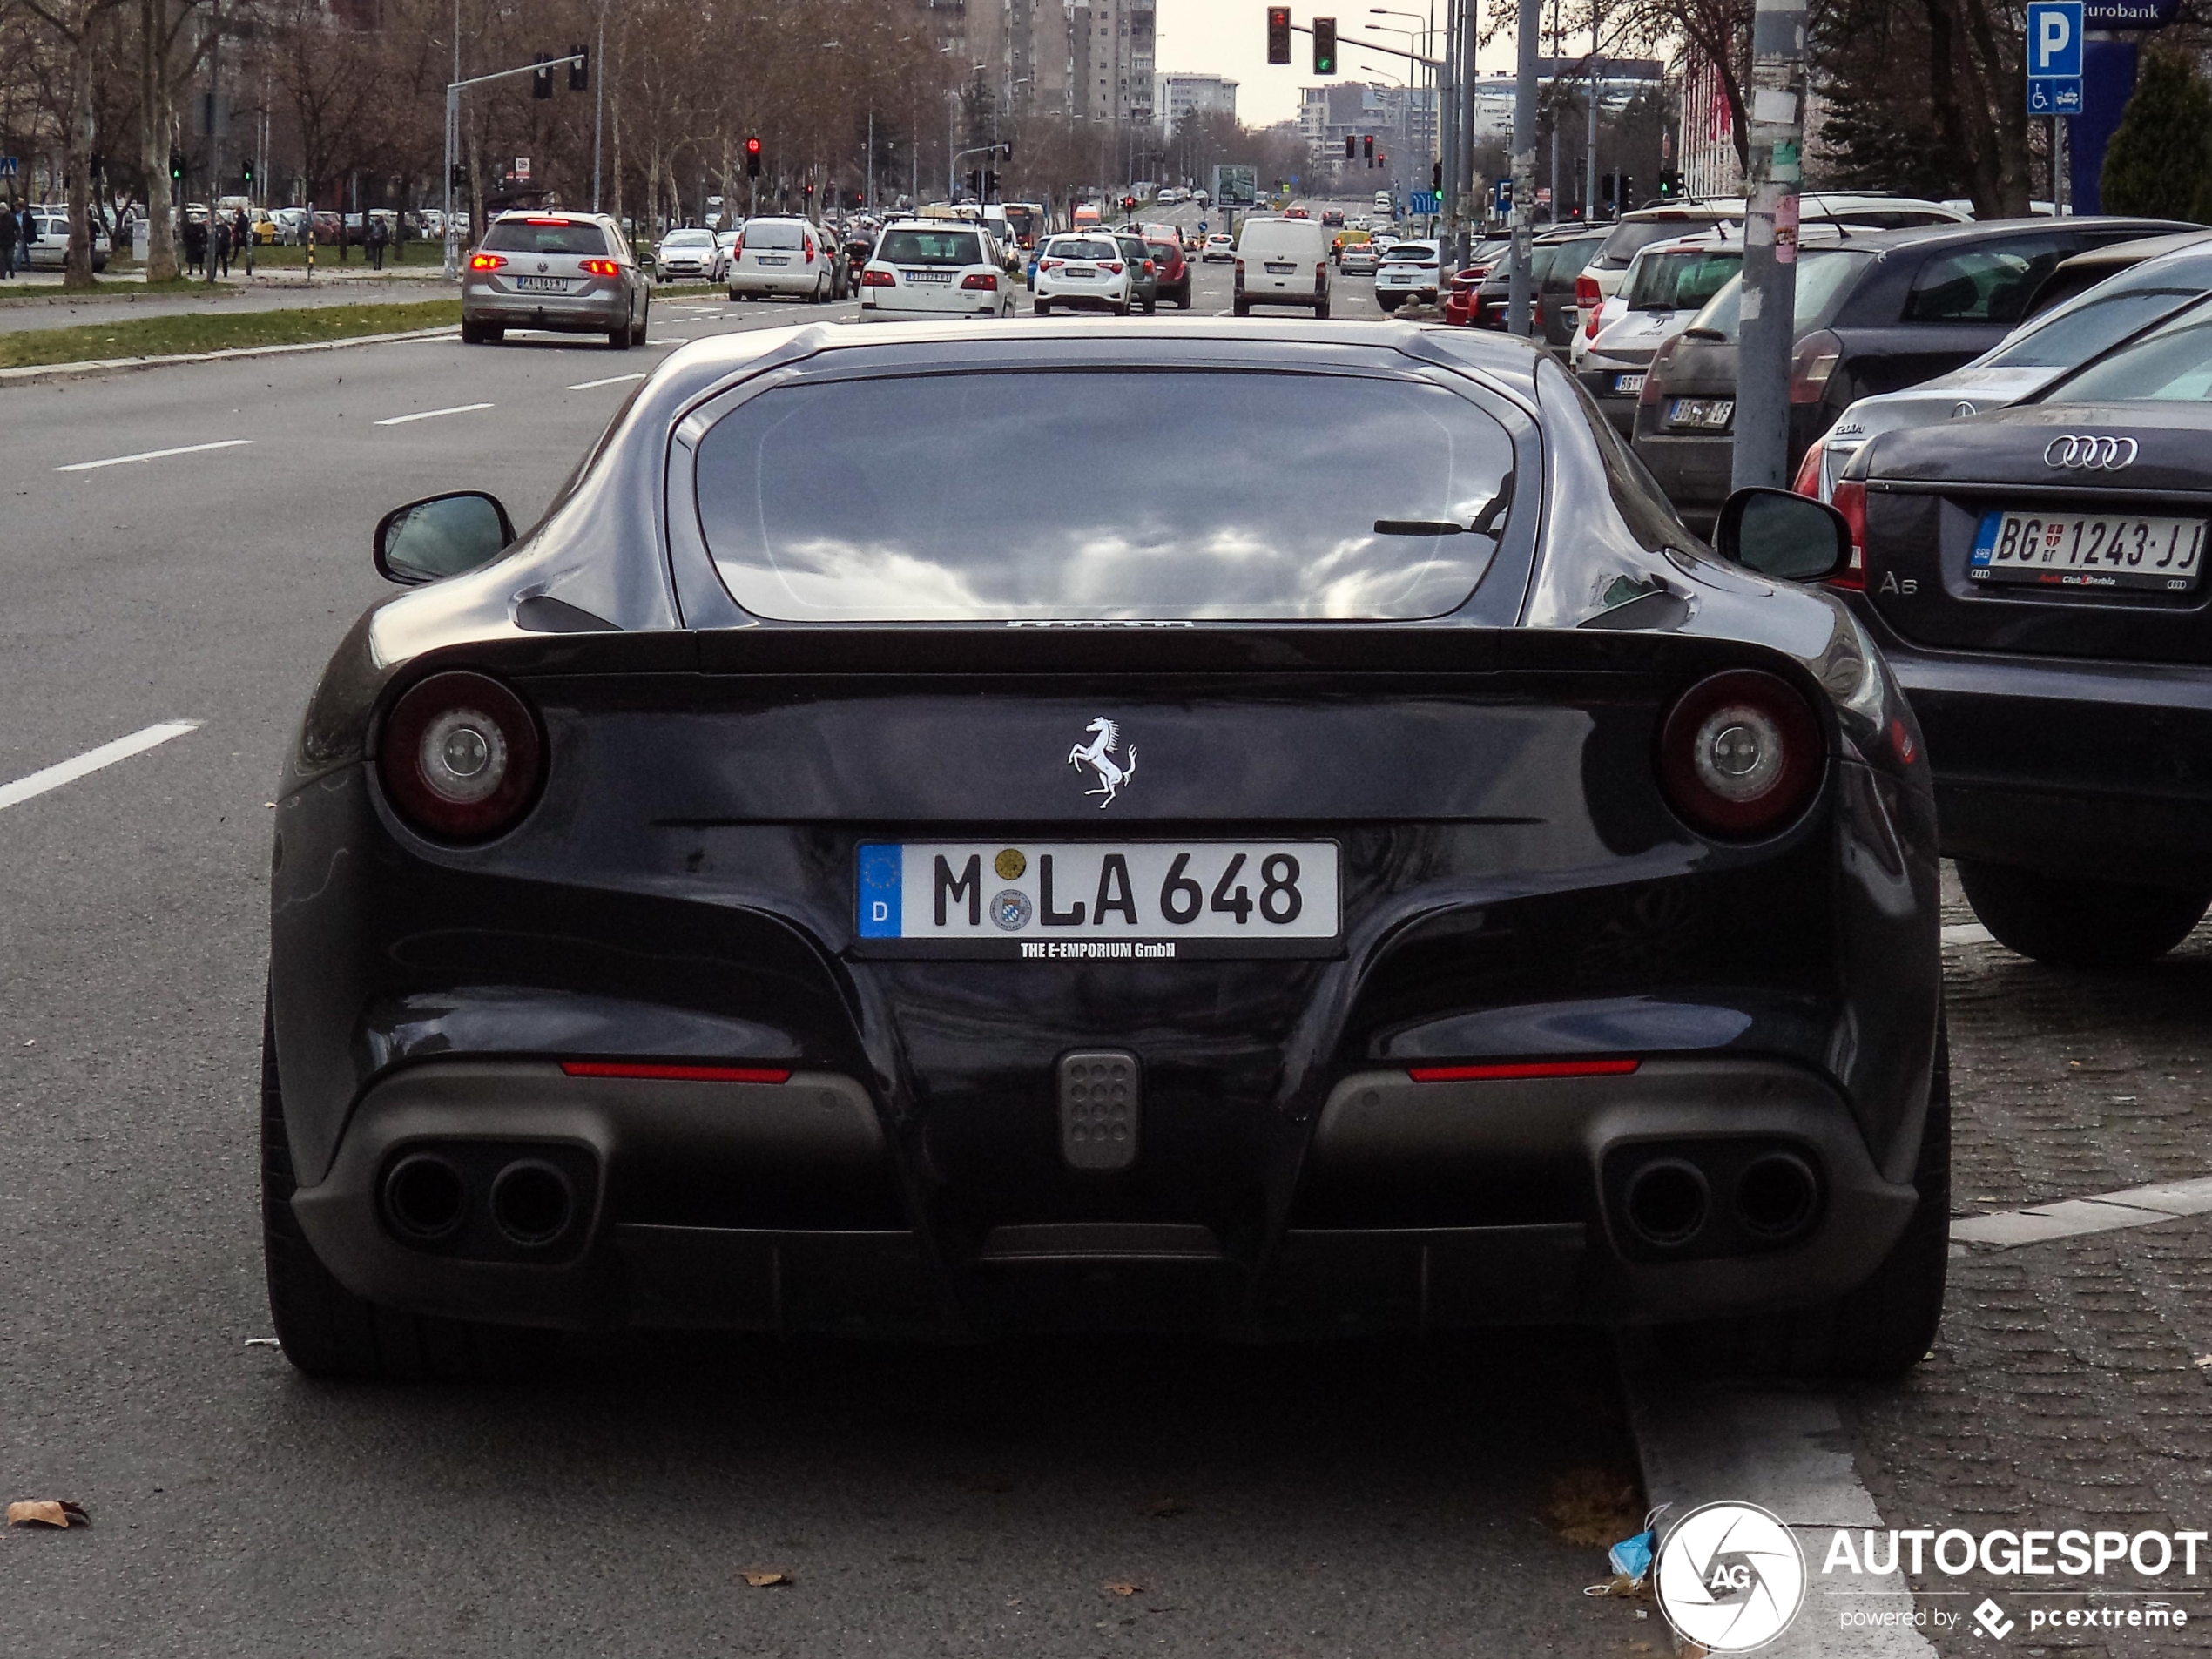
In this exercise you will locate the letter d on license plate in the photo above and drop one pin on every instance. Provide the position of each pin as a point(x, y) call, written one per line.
point(1098, 900)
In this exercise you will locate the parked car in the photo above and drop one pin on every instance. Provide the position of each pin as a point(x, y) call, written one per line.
point(1646, 224)
point(2035, 577)
point(2082, 322)
point(1875, 312)
point(1554, 261)
point(1668, 284)
point(48, 250)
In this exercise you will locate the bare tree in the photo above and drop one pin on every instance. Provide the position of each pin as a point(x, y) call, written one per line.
point(78, 27)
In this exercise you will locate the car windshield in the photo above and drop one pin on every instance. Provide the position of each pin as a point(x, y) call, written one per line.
point(931, 247)
point(773, 232)
point(688, 239)
point(1682, 280)
point(1631, 236)
point(542, 236)
point(1824, 274)
point(860, 501)
point(2172, 363)
point(1083, 248)
point(2076, 335)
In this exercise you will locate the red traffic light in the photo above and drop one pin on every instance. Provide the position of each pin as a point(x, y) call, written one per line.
point(752, 146)
point(1278, 34)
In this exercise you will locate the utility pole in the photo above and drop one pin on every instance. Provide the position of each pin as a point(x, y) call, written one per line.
point(1589, 159)
point(1764, 339)
point(598, 102)
point(1448, 149)
point(1528, 28)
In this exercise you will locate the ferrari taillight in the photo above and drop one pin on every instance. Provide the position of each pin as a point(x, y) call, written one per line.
point(1851, 500)
point(460, 757)
point(485, 261)
point(1740, 755)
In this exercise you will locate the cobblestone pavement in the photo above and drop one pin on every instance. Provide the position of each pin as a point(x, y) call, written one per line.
point(2061, 1392)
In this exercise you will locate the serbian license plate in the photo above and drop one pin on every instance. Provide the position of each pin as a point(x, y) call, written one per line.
point(775, 259)
point(940, 278)
point(1098, 900)
point(543, 285)
point(1708, 413)
point(1276, 269)
point(1628, 385)
point(2088, 550)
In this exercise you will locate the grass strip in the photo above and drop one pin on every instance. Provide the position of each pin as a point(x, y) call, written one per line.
point(111, 287)
point(176, 336)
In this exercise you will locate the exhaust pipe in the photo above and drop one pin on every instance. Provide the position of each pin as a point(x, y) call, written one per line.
point(532, 1203)
point(1776, 1196)
point(424, 1196)
point(1666, 1202)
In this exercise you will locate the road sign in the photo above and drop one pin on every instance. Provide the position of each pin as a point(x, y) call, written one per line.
point(521, 166)
point(2054, 95)
point(8, 166)
point(2055, 39)
point(1422, 201)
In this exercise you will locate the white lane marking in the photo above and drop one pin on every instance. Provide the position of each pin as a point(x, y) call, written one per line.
point(611, 379)
point(91, 760)
point(680, 339)
point(1967, 932)
point(1788, 1454)
point(432, 415)
point(155, 454)
point(2103, 1212)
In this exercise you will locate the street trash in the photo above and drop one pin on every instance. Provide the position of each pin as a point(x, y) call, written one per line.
point(48, 1511)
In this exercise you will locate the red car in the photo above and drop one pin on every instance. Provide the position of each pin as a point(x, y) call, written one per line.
point(1164, 243)
point(1460, 304)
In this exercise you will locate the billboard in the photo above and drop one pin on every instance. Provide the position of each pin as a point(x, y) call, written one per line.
point(1236, 186)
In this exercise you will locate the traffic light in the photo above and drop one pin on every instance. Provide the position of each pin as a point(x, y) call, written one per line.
point(249, 176)
point(579, 69)
point(1278, 34)
point(753, 158)
point(1670, 184)
point(1350, 148)
point(1369, 142)
point(542, 82)
point(176, 166)
point(458, 177)
point(1436, 176)
point(1325, 45)
point(1628, 191)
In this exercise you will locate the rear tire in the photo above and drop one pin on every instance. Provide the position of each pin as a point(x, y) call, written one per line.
point(2075, 921)
point(472, 334)
point(644, 325)
point(326, 1330)
point(1883, 1328)
point(619, 338)
point(735, 296)
point(1182, 298)
point(1121, 309)
point(1041, 307)
point(1321, 310)
point(1242, 308)
point(1152, 306)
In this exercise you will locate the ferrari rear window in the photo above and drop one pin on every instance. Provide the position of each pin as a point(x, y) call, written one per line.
point(545, 236)
point(876, 500)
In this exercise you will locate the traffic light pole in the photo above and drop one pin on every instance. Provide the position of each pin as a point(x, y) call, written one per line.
point(1765, 334)
point(452, 139)
point(1525, 31)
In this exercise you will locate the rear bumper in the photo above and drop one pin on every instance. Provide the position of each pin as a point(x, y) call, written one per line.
point(1694, 471)
point(1620, 408)
point(567, 313)
point(2074, 768)
point(753, 280)
point(775, 1206)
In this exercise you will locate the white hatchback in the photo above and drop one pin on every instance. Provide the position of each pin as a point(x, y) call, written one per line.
point(777, 256)
point(1084, 269)
point(1407, 271)
point(935, 267)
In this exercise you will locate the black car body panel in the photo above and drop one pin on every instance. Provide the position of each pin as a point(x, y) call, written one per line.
point(2070, 727)
point(1515, 887)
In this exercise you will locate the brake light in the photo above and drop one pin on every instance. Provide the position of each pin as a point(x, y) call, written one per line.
point(1807, 482)
point(1587, 292)
point(878, 279)
point(460, 756)
point(1516, 1070)
point(485, 261)
point(1114, 265)
point(1050, 264)
point(1535, 314)
point(602, 267)
point(1740, 754)
point(562, 222)
point(981, 280)
point(1811, 364)
point(807, 242)
point(681, 1074)
point(1851, 500)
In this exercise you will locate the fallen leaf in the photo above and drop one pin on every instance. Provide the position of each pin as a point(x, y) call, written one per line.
point(1594, 1508)
point(1165, 1508)
point(767, 1579)
point(2202, 1362)
point(47, 1512)
point(1121, 1587)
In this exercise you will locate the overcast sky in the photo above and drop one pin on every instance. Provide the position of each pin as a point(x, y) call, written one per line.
point(1230, 37)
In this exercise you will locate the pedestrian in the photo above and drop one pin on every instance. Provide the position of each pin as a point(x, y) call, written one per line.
point(242, 239)
point(26, 234)
point(7, 243)
point(195, 247)
point(376, 239)
point(220, 247)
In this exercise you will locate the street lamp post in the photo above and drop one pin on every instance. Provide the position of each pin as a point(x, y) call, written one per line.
point(453, 130)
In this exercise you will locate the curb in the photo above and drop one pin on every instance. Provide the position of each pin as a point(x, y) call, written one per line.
point(33, 372)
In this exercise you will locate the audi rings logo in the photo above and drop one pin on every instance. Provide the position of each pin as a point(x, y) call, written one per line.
point(2089, 452)
point(1729, 1577)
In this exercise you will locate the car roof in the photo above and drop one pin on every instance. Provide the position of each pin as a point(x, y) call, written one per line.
point(1988, 230)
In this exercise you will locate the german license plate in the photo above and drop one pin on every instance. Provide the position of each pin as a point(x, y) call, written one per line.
point(1098, 900)
point(1709, 413)
point(2088, 550)
point(543, 285)
point(1627, 384)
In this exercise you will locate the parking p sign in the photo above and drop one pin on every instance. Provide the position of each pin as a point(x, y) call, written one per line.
point(2054, 56)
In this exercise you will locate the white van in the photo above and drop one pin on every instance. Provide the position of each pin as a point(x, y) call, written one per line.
point(1283, 262)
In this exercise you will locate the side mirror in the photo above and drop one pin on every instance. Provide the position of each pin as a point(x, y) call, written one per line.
point(1783, 535)
point(442, 536)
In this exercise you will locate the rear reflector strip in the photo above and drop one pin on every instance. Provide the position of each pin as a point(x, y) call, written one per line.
point(1520, 1069)
point(677, 1074)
